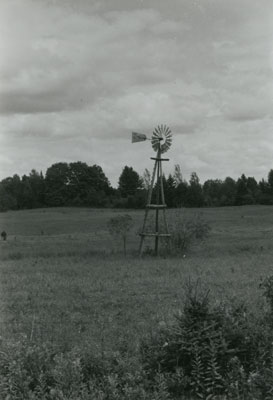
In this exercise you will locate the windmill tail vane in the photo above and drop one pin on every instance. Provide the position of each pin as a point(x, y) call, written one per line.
point(138, 137)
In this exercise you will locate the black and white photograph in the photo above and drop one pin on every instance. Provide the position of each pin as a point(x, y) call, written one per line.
point(136, 199)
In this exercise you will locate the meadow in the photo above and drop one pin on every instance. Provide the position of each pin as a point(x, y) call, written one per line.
point(65, 280)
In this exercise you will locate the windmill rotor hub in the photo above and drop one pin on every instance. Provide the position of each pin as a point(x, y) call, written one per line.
point(161, 138)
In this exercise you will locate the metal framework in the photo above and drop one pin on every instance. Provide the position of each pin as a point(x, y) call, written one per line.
point(159, 205)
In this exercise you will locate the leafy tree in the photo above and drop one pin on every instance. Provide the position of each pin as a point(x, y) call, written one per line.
point(146, 179)
point(7, 201)
point(177, 175)
point(76, 184)
point(12, 186)
point(270, 179)
point(129, 182)
point(99, 180)
point(169, 190)
point(79, 183)
point(56, 184)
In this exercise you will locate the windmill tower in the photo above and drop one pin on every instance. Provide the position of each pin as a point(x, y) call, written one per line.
point(161, 141)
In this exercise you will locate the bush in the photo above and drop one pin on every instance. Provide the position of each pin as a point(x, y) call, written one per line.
point(186, 231)
point(211, 351)
point(30, 371)
point(267, 286)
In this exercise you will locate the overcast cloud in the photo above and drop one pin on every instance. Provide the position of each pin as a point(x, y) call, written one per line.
point(76, 77)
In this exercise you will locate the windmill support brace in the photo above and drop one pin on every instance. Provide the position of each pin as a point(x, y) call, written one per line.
point(159, 206)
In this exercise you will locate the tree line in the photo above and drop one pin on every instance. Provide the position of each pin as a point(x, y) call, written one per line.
point(78, 184)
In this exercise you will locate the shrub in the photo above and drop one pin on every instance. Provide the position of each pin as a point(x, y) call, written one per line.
point(210, 351)
point(186, 231)
point(30, 371)
point(267, 286)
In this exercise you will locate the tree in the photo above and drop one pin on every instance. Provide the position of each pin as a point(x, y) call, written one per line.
point(129, 182)
point(146, 179)
point(7, 201)
point(270, 179)
point(26, 196)
point(212, 189)
point(56, 184)
point(37, 184)
point(177, 175)
point(253, 189)
point(76, 184)
point(12, 186)
point(229, 191)
point(243, 195)
point(195, 196)
point(119, 226)
point(169, 190)
point(79, 183)
point(98, 179)
point(265, 190)
point(181, 193)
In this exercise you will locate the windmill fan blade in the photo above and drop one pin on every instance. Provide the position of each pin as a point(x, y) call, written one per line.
point(161, 138)
point(138, 137)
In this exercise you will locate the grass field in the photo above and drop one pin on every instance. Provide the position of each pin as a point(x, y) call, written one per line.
point(64, 280)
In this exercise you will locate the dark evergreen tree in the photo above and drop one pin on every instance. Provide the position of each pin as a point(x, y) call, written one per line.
point(229, 191)
point(265, 190)
point(213, 191)
point(253, 190)
point(26, 194)
point(195, 196)
point(181, 194)
point(243, 195)
point(37, 184)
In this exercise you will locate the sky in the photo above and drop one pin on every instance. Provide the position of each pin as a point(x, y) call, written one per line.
point(77, 77)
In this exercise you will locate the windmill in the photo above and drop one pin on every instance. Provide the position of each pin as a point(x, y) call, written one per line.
point(161, 141)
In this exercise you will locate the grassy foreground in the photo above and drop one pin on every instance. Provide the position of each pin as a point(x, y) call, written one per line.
point(64, 279)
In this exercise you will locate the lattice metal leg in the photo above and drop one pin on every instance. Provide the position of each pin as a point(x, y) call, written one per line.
point(168, 238)
point(143, 230)
point(159, 205)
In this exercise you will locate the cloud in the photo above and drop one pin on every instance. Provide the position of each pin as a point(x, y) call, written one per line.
point(77, 77)
point(72, 60)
